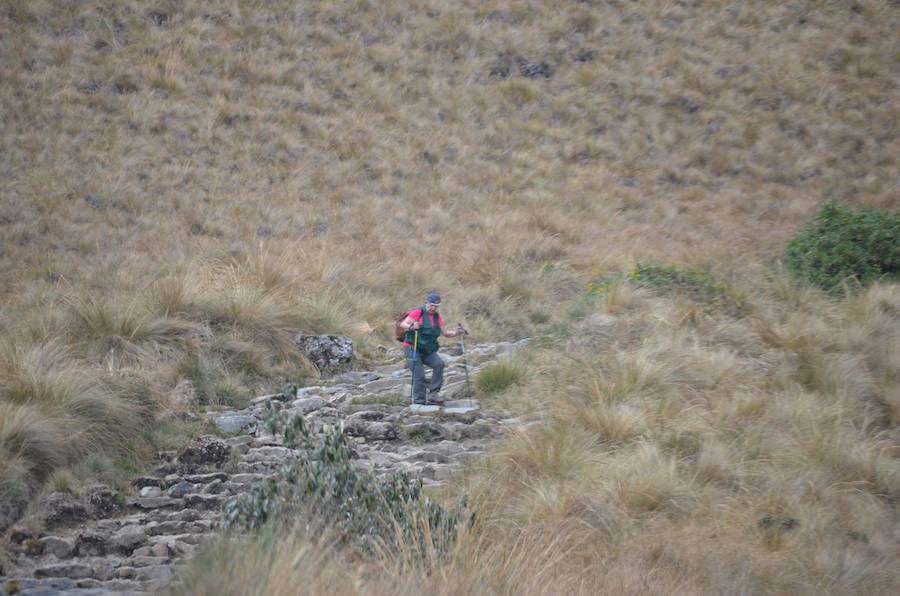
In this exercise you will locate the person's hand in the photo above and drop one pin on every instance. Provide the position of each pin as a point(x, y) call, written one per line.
point(414, 325)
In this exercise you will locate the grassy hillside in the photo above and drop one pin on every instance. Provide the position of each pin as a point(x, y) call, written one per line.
point(185, 185)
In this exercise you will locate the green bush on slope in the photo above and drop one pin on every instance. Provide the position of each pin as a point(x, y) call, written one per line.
point(842, 243)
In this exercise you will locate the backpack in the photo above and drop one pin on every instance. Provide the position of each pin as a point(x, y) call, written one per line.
point(399, 331)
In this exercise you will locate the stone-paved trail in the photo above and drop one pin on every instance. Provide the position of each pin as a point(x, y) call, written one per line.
point(98, 544)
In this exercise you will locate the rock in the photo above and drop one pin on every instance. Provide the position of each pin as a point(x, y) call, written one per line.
point(203, 501)
point(181, 489)
point(213, 488)
point(128, 538)
point(356, 377)
point(142, 481)
point(169, 527)
point(383, 385)
point(91, 543)
point(428, 431)
point(59, 547)
point(62, 509)
point(151, 491)
point(368, 415)
point(188, 515)
point(478, 430)
point(372, 431)
point(160, 549)
point(428, 456)
point(152, 502)
point(206, 478)
point(204, 450)
point(327, 352)
point(306, 405)
point(170, 480)
point(535, 70)
point(145, 562)
point(233, 422)
point(156, 575)
point(69, 570)
point(102, 501)
point(262, 399)
point(261, 454)
point(125, 572)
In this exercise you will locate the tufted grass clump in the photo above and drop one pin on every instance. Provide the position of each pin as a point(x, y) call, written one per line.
point(844, 244)
point(499, 376)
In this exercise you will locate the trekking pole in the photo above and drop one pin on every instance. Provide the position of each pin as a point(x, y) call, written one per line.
point(412, 368)
point(462, 349)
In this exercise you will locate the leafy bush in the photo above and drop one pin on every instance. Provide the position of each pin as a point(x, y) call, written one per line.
point(695, 283)
point(498, 376)
point(842, 243)
point(367, 511)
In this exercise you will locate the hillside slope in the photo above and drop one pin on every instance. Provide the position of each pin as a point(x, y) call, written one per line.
point(186, 185)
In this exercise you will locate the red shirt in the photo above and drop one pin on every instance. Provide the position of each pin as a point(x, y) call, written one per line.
point(416, 315)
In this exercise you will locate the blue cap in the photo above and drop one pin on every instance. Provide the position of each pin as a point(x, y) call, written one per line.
point(433, 298)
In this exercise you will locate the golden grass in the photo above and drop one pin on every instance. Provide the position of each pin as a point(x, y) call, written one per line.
point(181, 192)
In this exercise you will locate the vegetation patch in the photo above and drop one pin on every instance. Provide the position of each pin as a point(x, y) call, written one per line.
point(694, 282)
point(367, 512)
point(387, 399)
point(842, 244)
point(499, 376)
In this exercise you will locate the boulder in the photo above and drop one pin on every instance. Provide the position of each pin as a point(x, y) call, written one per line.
point(91, 543)
point(327, 352)
point(59, 547)
point(151, 491)
point(62, 509)
point(102, 501)
point(128, 538)
point(181, 489)
point(234, 422)
point(305, 405)
point(204, 450)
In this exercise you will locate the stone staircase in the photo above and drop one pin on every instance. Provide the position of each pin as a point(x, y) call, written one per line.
point(105, 543)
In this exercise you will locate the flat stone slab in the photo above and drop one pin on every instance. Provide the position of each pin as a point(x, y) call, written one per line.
point(459, 409)
point(424, 409)
point(471, 404)
point(153, 502)
point(233, 422)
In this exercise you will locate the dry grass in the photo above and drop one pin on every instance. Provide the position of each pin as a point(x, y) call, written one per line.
point(184, 187)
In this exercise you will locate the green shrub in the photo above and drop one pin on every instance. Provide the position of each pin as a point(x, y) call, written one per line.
point(496, 377)
point(842, 243)
point(695, 283)
point(366, 511)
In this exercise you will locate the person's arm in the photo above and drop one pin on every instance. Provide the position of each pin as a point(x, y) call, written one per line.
point(410, 324)
point(456, 332)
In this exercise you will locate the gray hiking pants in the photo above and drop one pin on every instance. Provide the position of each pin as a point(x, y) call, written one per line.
point(418, 373)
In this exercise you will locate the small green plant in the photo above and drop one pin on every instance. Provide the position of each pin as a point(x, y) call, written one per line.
point(842, 243)
point(602, 284)
point(496, 377)
point(387, 399)
point(367, 511)
point(694, 282)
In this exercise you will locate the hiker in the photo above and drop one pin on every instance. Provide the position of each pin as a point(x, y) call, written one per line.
point(421, 348)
